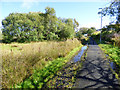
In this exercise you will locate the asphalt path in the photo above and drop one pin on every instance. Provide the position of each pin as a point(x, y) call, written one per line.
point(96, 71)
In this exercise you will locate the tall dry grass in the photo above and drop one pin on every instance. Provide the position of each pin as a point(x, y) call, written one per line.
point(116, 38)
point(19, 60)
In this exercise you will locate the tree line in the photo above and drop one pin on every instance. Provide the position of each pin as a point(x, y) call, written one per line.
point(85, 30)
point(37, 26)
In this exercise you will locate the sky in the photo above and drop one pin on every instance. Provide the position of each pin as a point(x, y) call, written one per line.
point(84, 11)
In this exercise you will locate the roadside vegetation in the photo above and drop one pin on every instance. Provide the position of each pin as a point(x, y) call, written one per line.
point(85, 31)
point(35, 41)
point(41, 76)
point(20, 60)
point(36, 45)
point(113, 53)
point(0, 35)
point(110, 44)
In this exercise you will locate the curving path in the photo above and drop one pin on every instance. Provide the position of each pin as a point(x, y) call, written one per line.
point(96, 72)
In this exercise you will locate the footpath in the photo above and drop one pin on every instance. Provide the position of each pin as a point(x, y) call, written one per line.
point(96, 71)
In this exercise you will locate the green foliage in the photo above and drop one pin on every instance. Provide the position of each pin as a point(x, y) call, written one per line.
point(79, 35)
point(37, 26)
point(112, 27)
point(85, 30)
point(113, 52)
point(90, 31)
point(20, 59)
point(76, 23)
point(52, 36)
point(65, 28)
point(40, 77)
point(113, 10)
point(109, 34)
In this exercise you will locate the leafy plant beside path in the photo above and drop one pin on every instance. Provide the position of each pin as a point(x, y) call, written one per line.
point(40, 77)
point(114, 54)
point(19, 60)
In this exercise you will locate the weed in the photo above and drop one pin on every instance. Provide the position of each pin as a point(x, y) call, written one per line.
point(113, 52)
point(42, 76)
point(20, 60)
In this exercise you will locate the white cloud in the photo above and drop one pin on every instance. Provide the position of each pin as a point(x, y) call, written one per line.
point(28, 3)
point(97, 23)
point(57, 0)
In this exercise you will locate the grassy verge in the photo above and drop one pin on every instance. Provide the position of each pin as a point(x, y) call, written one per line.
point(66, 77)
point(41, 76)
point(114, 54)
point(20, 60)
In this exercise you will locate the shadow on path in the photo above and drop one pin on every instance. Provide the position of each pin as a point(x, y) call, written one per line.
point(96, 72)
point(92, 42)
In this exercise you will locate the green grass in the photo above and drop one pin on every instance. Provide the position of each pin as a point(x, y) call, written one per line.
point(40, 77)
point(20, 60)
point(114, 54)
point(112, 51)
point(66, 77)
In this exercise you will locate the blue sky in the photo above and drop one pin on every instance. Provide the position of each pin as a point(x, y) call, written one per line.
point(85, 12)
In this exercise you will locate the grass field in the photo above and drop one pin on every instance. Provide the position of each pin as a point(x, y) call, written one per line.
point(20, 60)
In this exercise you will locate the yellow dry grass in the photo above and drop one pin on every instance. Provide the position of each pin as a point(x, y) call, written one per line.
point(19, 60)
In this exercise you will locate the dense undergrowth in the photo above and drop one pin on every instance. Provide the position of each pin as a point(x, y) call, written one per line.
point(67, 76)
point(20, 60)
point(42, 76)
point(113, 52)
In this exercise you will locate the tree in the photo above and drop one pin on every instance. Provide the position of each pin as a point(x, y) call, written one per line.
point(91, 30)
point(83, 30)
point(112, 27)
point(64, 33)
point(50, 22)
point(70, 27)
point(36, 26)
point(113, 10)
point(76, 24)
point(79, 35)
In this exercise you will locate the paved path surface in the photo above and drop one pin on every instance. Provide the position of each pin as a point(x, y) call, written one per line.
point(96, 72)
